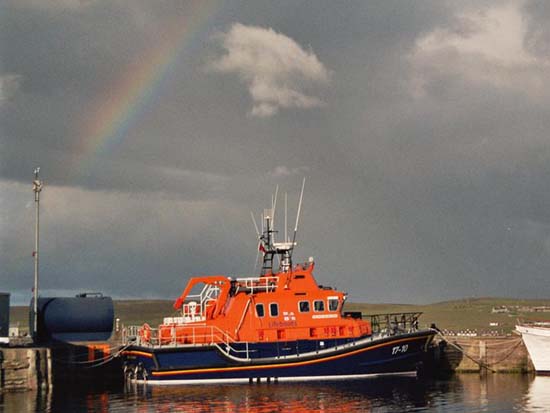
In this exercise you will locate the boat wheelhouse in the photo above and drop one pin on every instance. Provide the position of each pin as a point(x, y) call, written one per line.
point(280, 325)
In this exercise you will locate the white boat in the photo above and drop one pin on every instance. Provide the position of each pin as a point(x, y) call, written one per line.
point(536, 336)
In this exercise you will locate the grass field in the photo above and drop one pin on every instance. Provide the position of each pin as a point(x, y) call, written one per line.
point(473, 314)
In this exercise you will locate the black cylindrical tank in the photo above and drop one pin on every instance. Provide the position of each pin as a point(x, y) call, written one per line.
point(86, 317)
point(4, 314)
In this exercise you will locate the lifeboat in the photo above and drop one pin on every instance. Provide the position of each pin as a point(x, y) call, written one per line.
point(278, 326)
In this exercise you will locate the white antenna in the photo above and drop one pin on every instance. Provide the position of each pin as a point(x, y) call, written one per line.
point(299, 206)
point(286, 205)
point(262, 219)
point(298, 215)
point(255, 225)
point(273, 207)
point(259, 240)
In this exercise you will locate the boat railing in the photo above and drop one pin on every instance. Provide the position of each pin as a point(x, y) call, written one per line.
point(390, 324)
point(195, 305)
point(254, 285)
point(176, 335)
point(130, 333)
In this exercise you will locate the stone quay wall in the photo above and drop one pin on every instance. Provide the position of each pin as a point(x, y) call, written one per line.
point(25, 368)
point(484, 354)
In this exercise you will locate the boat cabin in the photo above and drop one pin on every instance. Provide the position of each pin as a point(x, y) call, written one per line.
point(282, 307)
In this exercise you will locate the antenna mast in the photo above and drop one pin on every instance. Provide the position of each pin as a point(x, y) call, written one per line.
point(268, 245)
point(286, 236)
point(37, 185)
point(297, 220)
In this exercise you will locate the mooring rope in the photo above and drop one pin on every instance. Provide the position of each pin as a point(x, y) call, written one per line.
point(515, 344)
point(457, 347)
point(79, 355)
point(109, 358)
point(102, 360)
point(509, 354)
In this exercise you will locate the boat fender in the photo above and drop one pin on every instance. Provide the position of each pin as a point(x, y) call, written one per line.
point(145, 333)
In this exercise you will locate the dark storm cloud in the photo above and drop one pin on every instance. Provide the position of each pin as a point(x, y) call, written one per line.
point(537, 37)
point(67, 53)
point(66, 57)
point(427, 163)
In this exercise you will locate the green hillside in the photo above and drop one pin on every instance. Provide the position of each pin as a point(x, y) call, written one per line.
point(473, 314)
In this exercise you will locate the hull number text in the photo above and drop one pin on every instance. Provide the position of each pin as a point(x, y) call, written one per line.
point(399, 349)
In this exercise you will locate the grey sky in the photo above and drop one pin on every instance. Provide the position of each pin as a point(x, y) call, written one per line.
point(421, 128)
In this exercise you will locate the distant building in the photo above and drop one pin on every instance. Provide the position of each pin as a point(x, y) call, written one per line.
point(521, 309)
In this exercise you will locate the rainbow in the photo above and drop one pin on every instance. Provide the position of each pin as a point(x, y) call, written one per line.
point(123, 101)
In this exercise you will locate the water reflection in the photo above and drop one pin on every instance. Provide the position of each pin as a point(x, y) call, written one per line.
point(494, 392)
point(26, 401)
point(468, 392)
point(538, 396)
point(353, 396)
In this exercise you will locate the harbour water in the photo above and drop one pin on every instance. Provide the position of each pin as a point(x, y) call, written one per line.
point(460, 393)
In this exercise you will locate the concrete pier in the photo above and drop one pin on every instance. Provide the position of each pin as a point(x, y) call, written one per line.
point(39, 368)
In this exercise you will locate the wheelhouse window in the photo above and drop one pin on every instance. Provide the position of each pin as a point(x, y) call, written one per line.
point(303, 306)
point(273, 309)
point(333, 304)
point(260, 310)
point(318, 306)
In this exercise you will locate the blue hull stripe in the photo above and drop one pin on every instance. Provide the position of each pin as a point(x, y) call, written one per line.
point(158, 374)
